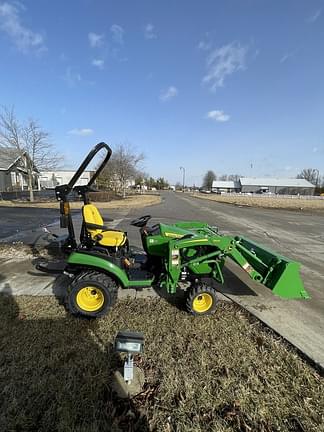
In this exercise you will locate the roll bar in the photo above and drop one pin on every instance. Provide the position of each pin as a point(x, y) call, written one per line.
point(63, 190)
point(86, 162)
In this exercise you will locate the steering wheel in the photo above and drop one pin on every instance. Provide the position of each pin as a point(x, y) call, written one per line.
point(141, 221)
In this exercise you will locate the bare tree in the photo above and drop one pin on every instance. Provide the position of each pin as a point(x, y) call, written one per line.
point(209, 177)
point(234, 177)
point(122, 168)
point(223, 177)
point(310, 174)
point(29, 142)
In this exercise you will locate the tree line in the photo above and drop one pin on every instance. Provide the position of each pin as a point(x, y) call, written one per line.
point(312, 175)
point(125, 169)
point(210, 176)
point(29, 141)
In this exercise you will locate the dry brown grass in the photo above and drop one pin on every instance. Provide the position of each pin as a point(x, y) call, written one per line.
point(134, 201)
point(219, 373)
point(269, 202)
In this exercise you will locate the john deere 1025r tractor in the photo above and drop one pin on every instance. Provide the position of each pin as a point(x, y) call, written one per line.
point(186, 254)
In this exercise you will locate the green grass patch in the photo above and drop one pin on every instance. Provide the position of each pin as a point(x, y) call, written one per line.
point(220, 373)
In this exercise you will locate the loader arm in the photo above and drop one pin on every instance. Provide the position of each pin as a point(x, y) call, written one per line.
point(199, 249)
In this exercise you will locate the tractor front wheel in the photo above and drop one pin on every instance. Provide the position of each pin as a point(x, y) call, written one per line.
point(201, 300)
point(91, 294)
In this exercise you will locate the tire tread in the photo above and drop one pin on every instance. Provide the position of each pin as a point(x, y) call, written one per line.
point(102, 279)
point(199, 289)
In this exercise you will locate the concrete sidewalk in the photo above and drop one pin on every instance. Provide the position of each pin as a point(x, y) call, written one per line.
point(22, 278)
point(292, 319)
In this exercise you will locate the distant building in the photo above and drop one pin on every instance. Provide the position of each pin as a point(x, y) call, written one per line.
point(226, 186)
point(50, 179)
point(283, 186)
point(13, 174)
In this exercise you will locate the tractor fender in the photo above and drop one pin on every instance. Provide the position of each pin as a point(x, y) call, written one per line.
point(92, 261)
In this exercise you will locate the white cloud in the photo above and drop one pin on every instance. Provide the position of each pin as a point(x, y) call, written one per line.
point(223, 62)
point(98, 63)
point(168, 94)
point(285, 57)
point(288, 55)
point(24, 38)
point(81, 131)
point(72, 77)
point(314, 17)
point(149, 31)
point(204, 46)
point(218, 115)
point(95, 39)
point(117, 33)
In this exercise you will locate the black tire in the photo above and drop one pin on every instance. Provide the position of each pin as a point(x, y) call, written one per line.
point(91, 294)
point(206, 305)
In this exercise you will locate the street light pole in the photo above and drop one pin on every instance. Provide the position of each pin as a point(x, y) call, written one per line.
point(183, 177)
point(316, 185)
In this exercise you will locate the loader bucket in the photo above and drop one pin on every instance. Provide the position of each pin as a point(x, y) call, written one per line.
point(279, 273)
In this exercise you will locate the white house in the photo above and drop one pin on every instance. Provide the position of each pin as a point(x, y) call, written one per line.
point(13, 173)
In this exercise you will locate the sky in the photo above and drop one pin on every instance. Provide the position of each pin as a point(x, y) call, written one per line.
point(232, 86)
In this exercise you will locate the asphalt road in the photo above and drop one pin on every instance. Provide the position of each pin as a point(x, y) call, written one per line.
point(14, 220)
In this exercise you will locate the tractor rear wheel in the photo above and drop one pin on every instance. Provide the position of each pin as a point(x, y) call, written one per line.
point(91, 294)
point(201, 300)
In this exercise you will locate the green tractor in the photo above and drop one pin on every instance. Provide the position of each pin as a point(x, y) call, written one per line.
point(184, 255)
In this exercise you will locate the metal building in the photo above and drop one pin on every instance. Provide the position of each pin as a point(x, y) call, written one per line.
point(225, 186)
point(283, 186)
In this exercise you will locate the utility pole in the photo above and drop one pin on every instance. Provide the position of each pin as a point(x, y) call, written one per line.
point(183, 177)
point(316, 185)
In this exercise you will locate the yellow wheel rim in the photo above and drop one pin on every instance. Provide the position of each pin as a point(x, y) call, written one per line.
point(90, 298)
point(202, 303)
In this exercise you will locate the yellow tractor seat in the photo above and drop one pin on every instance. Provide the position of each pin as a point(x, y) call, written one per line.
point(94, 226)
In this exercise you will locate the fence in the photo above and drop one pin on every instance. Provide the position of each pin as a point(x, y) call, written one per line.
point(24, 195)
point(273, 196)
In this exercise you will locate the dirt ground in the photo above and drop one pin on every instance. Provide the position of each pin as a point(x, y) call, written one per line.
point(219, 373)
point(134, 201)
point(269, 202)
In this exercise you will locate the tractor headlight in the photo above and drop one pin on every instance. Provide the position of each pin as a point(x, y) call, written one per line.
point(175, 257)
